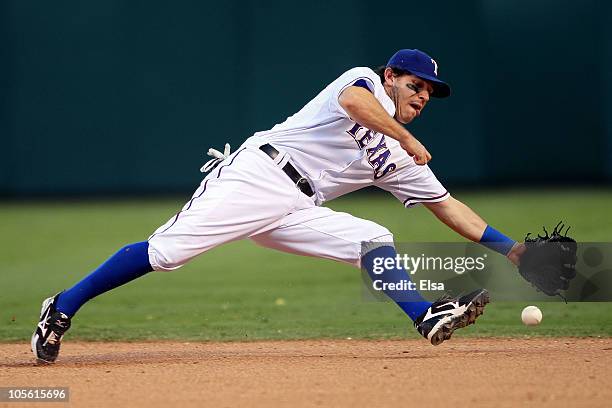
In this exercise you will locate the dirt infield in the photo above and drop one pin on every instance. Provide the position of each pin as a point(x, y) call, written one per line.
point(345, 373)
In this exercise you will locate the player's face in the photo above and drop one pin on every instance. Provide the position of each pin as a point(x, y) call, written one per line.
point(410, 95)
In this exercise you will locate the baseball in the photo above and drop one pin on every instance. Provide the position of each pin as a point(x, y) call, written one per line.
point(531, 316)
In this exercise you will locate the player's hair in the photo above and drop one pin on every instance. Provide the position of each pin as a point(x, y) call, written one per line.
point(381, 72)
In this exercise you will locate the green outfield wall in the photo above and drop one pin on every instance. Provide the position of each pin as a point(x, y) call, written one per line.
point(127, 96)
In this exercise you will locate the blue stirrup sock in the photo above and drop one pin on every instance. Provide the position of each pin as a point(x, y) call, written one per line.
point(129, 263)
point(410, 301)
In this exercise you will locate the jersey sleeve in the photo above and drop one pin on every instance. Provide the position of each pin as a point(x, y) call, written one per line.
point(413, 184)
point(362, 77)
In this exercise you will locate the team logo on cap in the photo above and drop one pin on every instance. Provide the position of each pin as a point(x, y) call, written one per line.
point(435, 66)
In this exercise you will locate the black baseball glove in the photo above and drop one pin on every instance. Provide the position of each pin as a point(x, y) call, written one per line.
point(549, 262)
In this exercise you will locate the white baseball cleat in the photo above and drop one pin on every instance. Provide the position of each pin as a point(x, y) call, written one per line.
point(448, 313)
point(49, 331)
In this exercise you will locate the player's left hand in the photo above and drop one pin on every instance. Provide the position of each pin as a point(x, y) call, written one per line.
point(516, 252)
point(217, 157)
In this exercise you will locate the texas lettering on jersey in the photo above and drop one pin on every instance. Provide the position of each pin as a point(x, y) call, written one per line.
point(377, 155)
point(335, 162)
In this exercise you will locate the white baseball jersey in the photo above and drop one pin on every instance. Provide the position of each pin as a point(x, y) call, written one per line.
point(249, 195)
point(339, 156)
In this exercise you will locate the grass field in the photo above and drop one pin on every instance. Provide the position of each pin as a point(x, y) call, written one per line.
point(241, 291)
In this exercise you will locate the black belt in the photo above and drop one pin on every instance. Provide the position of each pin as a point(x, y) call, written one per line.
point(300, 182)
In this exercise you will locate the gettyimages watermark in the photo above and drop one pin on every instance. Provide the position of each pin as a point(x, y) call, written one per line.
point(432, 269)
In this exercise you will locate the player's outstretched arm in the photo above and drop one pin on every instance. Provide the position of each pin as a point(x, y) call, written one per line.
point(459, 217)
point(463, 220)
point(365, 109)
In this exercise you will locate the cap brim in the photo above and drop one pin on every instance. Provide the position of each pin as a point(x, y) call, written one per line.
point(441, 88)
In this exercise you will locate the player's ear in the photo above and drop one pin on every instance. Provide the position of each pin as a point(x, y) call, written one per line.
point(388, 76)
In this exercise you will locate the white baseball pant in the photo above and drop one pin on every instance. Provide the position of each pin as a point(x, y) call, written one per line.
point(249, 196)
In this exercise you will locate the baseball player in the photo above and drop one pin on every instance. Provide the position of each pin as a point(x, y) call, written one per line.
point(271, 189)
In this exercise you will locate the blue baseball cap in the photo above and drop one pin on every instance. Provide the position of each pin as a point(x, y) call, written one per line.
point(422, 65)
